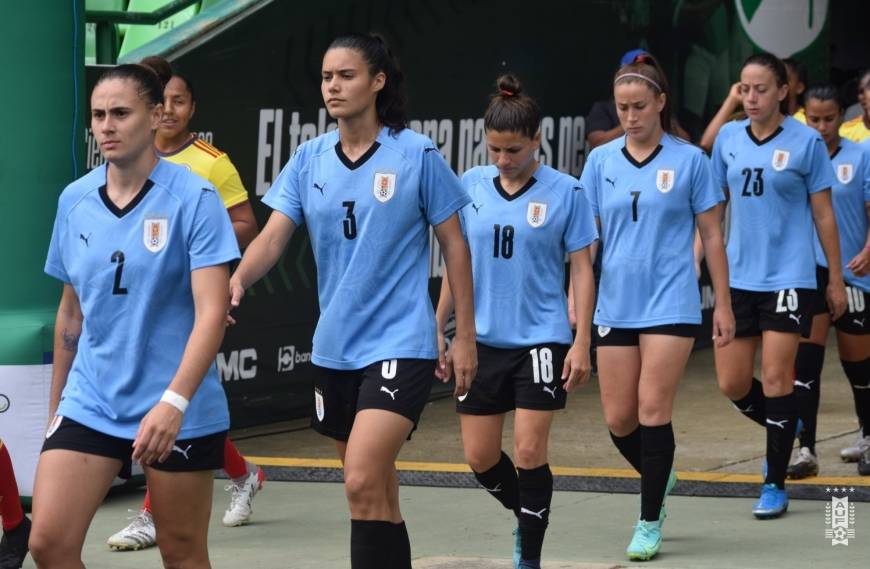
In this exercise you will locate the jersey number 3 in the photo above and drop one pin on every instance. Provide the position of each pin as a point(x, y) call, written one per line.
point(757, 184)
point(349, 221)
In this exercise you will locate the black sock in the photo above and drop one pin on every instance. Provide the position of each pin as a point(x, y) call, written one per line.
point(859, 378)
point(781, 419)
point(370, 544)
point(401, 547)
point(501, 483)
point(658, 458)
point(807, 376)
point(752, 405)
point(629, 446)
point(536, 492)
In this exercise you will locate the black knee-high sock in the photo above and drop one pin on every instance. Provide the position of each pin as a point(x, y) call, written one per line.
point(752, 405)
point(371, 544)
point(859, 378)
point(629, 446)
point(658, 458)
point(781, 418)
point(536, 492)
point(501, 483)
point(807, 378)
point(401, 547)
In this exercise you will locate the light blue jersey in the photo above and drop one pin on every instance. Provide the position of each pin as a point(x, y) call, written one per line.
point(771, 219)
point(518, 244)
point(647, 214)
point(131, 270)
point(369, 226)
point(851, 193)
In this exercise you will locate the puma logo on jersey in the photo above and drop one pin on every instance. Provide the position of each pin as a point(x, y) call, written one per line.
point(320, 188)
point(476, 207)
point(780, 424)
point(539, 515)
point(550, 390)
point(178, 449)
point(796, 318)
point(859, 322)
point(493, 490)
point(392, 393)
point(85, 239)
point(611, 182)
point(429, 149)
point(806, 385)
point(732, 155)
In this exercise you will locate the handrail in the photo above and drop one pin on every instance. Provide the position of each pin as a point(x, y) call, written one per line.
point(147, 18)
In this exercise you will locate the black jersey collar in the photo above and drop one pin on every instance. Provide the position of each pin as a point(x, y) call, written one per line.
point(511, 197)
point(121, 212)
point(837, 151)
point(769, 137)
point(353, 165)
point(648, 159)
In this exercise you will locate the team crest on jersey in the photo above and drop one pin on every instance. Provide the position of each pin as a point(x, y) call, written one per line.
point(780, 160)
point(155, 233)
point(385, 186)
point(536, 214)
point(318, 405)
point(665, 180)
point(845, 173)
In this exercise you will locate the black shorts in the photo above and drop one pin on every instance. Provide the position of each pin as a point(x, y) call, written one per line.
point(855, 320)
point(188, 455)
point(516, 378)
point(401, 386)
point(607, 336)
point(788, 310)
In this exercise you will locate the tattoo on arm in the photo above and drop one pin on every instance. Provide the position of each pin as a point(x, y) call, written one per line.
point(70, 341)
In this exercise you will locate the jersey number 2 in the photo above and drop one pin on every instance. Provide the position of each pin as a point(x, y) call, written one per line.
point(118, 257)
point(757, 184)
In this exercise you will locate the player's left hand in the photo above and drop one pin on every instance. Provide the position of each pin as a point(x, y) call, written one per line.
point(443, 369)
point(463, 357)
point(724, 325)
point(836, 297)
point(577, 368)
point(157, 433)
point(860, 263)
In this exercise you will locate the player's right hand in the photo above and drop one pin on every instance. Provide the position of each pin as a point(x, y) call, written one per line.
point(463, 354)
point(237, 292)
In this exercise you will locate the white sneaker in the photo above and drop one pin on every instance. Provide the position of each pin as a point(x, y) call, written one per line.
point(854, 452)
point(138, 535)
point(241, 498)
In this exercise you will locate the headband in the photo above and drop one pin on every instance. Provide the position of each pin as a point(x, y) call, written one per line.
point(638, 75)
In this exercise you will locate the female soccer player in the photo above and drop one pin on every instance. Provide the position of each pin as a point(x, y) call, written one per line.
point(858, 129)
point(524, 218)
point(851, 198)
point(175, 142)
point(368, 192)
point(778, 175)
point(142, 247)
point(648, 191)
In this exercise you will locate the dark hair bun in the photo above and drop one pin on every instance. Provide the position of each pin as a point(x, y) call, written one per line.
point(160, 66)
point(509, 85)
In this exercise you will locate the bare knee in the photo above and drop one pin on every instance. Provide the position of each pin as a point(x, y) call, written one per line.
point(482, 459)
point(621, 422)
point(733, 388)
point(364, 489)
point(530, 454)
point(657, 412)
point(182, 551)
point(49, 550)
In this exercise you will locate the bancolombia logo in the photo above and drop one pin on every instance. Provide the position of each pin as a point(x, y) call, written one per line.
point(782, 27)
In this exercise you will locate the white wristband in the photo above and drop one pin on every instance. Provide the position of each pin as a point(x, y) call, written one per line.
point(176, 400)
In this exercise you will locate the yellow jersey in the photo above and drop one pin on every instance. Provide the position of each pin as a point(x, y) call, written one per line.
point(800, 116)
point(207, 161)
point(855, 130)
